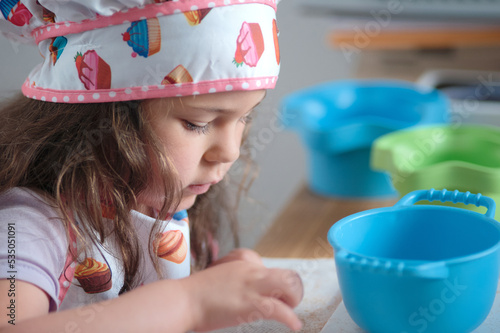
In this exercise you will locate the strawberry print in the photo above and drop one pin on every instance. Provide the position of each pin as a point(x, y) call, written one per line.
point(249, 45)
point(94, 72)
point(15, 12)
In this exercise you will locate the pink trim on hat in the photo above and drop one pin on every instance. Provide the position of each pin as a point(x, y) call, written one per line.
point(145, 92)
point(134, 14)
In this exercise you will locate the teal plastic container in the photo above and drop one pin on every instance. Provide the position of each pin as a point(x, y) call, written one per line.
point(338, 122)
point(466, 158)
point(419, 268)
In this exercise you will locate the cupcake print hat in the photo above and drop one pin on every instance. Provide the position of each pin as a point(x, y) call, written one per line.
point(112, 50)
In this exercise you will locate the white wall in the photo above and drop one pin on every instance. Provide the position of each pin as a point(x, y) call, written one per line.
point(306, 59)
point(16, 61)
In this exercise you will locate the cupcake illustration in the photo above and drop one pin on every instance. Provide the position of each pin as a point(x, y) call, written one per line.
point(144, 37)
point(172, 246)
point(94, 276)
point(93, 71)
point(15, 12)
point(178, 75)
point(276, 43)
point(194, 17)
point(249, 45)
point(56, 48)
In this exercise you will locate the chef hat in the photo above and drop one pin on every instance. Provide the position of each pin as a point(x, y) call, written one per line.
point(115, 50)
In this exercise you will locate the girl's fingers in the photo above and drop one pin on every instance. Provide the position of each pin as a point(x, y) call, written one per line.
point(251, 292)
point(284, 285)
point(286, 315)
point(272, 308)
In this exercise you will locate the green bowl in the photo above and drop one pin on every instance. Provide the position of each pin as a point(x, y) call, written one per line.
point(464, 158)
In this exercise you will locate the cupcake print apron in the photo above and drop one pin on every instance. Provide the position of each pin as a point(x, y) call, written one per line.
point(99, 276)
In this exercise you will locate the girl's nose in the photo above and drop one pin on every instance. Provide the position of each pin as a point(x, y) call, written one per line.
point(225, 148)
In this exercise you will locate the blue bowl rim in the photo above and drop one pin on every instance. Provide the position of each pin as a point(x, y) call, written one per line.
point(336, 227)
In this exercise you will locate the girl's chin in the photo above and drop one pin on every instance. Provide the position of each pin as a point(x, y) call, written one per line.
point(186, 202)
point(147, 204)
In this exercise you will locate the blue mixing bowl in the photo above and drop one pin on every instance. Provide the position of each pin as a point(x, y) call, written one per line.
point(338, 122)
point(419, 268)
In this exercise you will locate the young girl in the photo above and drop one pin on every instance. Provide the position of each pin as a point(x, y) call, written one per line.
point(135, 116)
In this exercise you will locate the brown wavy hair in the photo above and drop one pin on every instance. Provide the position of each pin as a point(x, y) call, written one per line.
point(84, 156)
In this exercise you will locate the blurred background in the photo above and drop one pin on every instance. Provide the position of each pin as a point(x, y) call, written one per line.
point(321, 42)
point(433, 44)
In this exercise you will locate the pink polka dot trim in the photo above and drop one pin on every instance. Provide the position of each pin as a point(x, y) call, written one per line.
point(145, 92)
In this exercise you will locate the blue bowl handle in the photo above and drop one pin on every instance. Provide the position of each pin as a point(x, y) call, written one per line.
point(453, 196)
point(431, 270)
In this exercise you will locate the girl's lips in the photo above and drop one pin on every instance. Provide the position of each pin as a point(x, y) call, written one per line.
point(199, 188)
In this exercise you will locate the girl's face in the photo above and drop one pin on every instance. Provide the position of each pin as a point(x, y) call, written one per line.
point(202, 136)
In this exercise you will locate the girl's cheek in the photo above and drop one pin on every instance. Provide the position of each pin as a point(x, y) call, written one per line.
point(227, 168)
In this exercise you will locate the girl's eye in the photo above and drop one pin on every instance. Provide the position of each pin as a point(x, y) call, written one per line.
point(196, 128)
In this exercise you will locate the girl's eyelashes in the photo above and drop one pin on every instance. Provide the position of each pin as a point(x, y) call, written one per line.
point(196, 128)
point(204, 129)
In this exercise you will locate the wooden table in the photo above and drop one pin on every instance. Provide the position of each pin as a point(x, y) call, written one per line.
point(404, 39)
point(301, 228)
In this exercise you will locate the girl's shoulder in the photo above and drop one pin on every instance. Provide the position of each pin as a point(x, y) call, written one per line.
point(19, 199)
point(26, 209)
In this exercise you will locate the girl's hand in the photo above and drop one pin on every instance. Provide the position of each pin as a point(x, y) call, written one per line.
point(232, 292)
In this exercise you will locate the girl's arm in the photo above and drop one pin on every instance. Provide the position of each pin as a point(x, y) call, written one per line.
point(149, 308)
point(226, 294)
